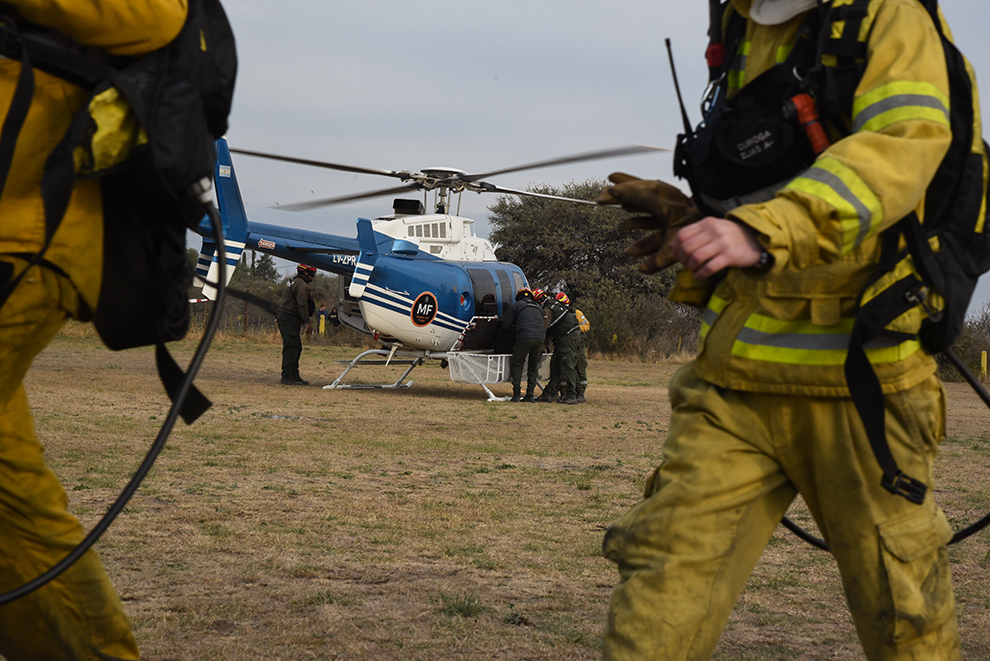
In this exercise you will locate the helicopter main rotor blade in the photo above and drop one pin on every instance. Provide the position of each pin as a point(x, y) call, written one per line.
point(326, 202)
point(576, 158)
point(319, 164)
point(490, 188)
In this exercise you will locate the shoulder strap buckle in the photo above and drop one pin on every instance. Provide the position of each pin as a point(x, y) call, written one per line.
point(906, 486)
point(918, 295)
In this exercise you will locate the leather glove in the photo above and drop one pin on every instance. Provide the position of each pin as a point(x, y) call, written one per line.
point(666, 209)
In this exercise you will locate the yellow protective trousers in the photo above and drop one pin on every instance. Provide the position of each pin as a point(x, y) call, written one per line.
point(732, 463)
point(77, 615)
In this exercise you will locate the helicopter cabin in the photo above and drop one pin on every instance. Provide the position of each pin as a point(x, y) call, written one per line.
point(447, 237)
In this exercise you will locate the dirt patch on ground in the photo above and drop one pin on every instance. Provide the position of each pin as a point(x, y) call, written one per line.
point(427, 523)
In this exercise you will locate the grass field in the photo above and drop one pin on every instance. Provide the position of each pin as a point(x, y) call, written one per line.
point(428, 523)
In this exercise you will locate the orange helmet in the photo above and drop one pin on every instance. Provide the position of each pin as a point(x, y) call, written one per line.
point(304, 268)
point(562, 297)
point(539, 294)
point(523, 293)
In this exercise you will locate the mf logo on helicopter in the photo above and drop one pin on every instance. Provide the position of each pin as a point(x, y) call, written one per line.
point(424, 309)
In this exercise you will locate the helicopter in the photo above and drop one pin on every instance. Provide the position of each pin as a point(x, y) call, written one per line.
point(422, 284)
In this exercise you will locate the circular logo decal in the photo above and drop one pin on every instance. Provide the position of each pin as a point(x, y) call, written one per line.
point(424, 310)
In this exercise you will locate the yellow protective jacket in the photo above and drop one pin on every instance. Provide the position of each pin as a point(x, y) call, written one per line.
point(122, 27)
point(786, 331)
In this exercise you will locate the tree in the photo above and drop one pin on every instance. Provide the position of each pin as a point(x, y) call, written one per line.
point(264, 268)
point(578, 249)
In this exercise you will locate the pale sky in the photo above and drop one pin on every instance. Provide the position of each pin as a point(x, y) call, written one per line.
point(472, 85)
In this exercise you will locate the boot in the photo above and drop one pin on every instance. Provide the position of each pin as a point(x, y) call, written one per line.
point(569, 398)
point(529, 395)
point(516, 391)
point(580, 398)
point(547, 397)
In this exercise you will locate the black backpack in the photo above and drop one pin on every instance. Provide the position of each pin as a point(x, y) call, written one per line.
point(948, 254)
point(155, 172)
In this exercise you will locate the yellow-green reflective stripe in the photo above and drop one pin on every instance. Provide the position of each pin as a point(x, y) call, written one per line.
point(783, 52)
point(737, 75)
point(792, 356)
point(804, 343)
point(897, 102)
point(715, 307)
point(859, 209)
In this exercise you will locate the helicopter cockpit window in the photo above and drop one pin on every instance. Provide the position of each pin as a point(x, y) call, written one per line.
point(485, 304)
point(506, 287)
point(517, 279)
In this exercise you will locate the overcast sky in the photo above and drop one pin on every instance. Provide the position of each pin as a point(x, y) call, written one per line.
point(472, 85)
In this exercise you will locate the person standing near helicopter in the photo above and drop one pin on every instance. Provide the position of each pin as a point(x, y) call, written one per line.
point(525, 320)
point(563, 330)
point(295, 309)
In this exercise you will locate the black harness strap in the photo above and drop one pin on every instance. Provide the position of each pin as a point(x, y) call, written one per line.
point(837, 84)
point(847, 47)
point(21, 102)
point(16, 114)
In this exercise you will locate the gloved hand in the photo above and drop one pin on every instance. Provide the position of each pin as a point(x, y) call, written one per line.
point(667, 210)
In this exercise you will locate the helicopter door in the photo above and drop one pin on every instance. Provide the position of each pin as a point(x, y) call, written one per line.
point(506, 286)
point(485, 293)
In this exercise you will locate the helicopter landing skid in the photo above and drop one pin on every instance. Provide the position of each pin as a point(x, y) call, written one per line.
point(360, 360)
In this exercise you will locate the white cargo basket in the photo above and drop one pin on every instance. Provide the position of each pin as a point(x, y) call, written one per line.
point(483, 368)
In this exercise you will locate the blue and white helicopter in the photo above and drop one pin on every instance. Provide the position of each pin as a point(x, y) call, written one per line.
point(421, 283)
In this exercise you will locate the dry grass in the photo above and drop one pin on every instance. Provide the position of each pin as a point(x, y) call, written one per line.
point(295, 523)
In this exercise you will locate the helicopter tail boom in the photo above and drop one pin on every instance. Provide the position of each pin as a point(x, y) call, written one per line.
point(234, 221)
point(366, 258)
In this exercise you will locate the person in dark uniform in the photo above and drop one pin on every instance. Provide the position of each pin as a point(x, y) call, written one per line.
point(525, 317)
point(294, 311)
point(565, 333)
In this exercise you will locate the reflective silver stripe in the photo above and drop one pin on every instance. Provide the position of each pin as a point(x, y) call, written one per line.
point(763, 195)
point(808, 341)
point(863, 213)
point(709, 316)
point(897, 101)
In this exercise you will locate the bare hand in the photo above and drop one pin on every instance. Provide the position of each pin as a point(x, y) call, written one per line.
point(712, 244)
point(309, 329)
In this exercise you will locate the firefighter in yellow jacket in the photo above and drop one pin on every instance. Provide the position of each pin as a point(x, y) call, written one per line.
point(78, 615)
point(763, 413)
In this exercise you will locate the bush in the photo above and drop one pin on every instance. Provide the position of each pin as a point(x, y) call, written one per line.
point(644, 326)
point(972, 341)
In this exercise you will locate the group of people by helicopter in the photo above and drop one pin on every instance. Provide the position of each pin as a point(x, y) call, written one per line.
point(535, 322)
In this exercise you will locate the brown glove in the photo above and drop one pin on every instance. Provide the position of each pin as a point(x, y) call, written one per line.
point(667, 210)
